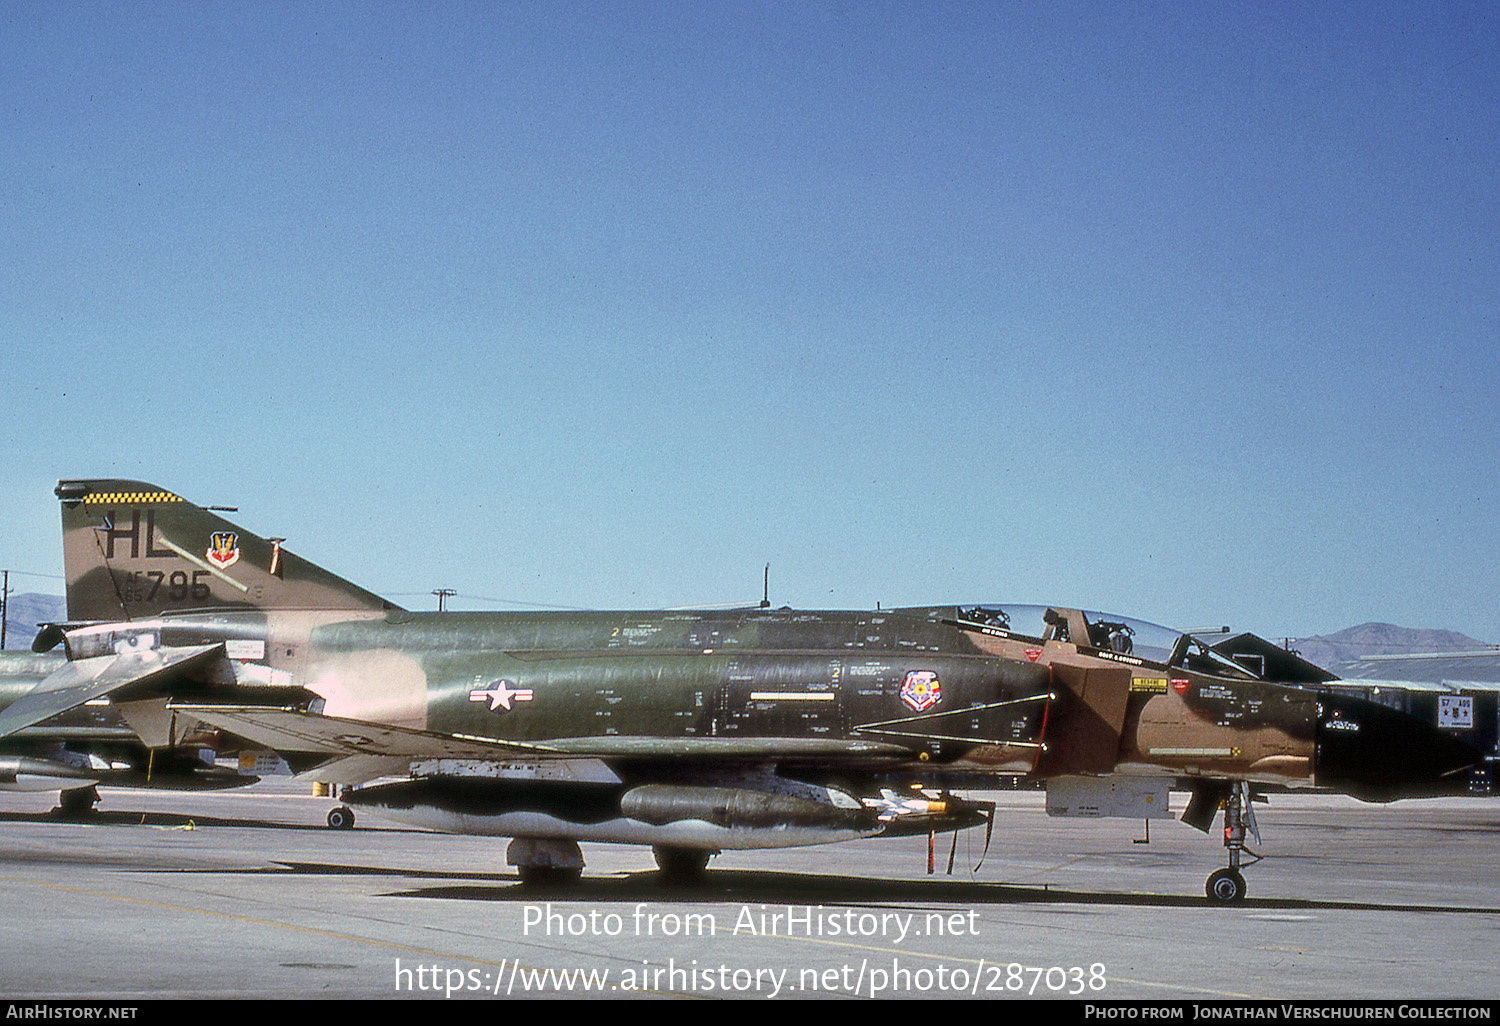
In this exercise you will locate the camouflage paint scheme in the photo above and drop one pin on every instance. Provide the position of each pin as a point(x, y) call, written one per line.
point(673, 675)
point(921, 697)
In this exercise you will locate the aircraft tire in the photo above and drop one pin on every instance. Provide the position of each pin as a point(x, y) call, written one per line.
point(548, 876)
point(341, 818)
point(77, 803)
point(681, 865)
point(1226, 886)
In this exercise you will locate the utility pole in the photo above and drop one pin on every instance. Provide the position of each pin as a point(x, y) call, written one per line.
point(4, 607)
point(442, 594)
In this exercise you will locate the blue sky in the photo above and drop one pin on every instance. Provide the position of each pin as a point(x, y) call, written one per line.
point(1182, 311)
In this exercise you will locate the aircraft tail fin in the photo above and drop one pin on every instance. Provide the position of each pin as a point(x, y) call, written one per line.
point(132, 550)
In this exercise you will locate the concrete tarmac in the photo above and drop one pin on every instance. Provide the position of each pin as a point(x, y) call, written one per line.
point(247, 894)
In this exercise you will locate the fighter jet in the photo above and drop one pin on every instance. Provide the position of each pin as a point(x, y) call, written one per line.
point(80, 748)
point(689, 731)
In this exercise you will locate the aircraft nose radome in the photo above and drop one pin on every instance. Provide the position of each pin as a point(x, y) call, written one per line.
point(1379, 754)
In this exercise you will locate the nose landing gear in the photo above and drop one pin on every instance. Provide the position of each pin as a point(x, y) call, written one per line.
point(1226, 886)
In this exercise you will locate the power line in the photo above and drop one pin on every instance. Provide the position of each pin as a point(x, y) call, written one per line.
point(30, 573)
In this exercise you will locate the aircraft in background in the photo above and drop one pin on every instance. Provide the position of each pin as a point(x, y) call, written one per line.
point(88, 745)
point(689, 731)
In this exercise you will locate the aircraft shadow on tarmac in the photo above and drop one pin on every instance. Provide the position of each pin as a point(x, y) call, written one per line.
point(770, 887)
point(726, 886)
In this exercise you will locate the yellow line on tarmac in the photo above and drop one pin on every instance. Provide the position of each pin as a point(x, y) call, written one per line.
point(991, 962)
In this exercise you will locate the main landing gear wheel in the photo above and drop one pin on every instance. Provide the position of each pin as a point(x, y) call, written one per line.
point(1226, 886)
point(76, 803)
point(681, 865)
point(549, 876)
point(341, 818)
point(545, 861)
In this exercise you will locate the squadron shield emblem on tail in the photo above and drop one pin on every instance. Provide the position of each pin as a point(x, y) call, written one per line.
point(223, 549)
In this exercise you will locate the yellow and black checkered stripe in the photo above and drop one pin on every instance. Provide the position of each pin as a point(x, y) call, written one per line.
point(131, 498)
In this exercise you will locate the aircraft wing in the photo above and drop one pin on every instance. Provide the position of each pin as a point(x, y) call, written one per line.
point(79, 734)
point(295, 731)
point(84, 680)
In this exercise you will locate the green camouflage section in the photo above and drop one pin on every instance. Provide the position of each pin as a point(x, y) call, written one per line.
point(134, 551)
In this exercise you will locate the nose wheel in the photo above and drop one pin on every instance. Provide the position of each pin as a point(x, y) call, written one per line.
point(1227, 886)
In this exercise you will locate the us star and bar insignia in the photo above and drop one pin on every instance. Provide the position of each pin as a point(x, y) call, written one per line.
point(500, 695)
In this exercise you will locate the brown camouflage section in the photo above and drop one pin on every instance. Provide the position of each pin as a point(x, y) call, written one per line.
point(1176, 721)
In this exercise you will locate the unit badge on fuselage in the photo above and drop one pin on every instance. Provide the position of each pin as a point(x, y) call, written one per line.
point(500, 695)
point(921, 690)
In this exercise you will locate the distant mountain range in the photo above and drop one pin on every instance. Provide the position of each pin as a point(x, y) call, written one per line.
point(1333, 651)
